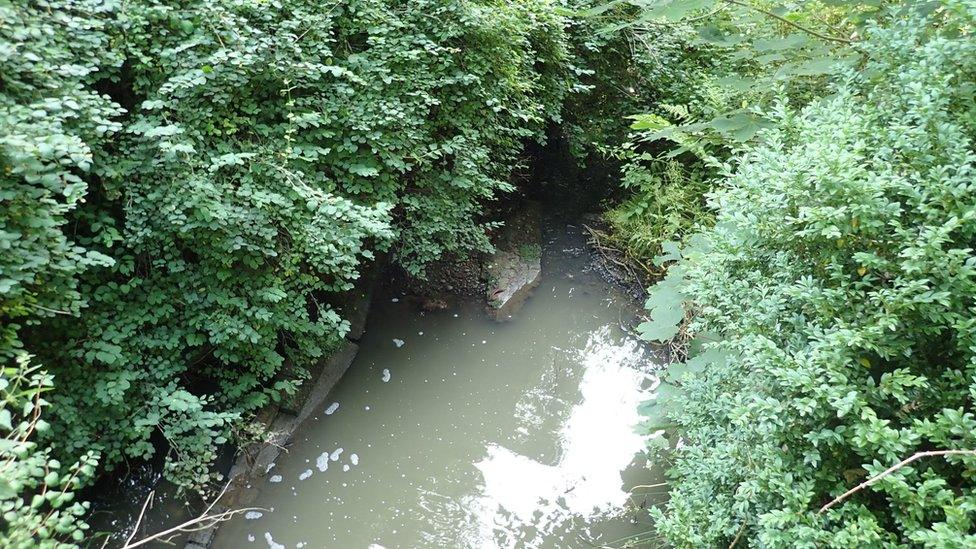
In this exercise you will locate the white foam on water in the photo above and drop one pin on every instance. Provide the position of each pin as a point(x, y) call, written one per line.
point(253, 515)
point(354, 458)
point(250, 537)
point(275, 478)
point(398, 342)
point(395, 300)
point(345, 467)
point(332, 408)
point(305, 474)
point(386, 375)
point(335, 454)
point(271, 542)
point(322, 462)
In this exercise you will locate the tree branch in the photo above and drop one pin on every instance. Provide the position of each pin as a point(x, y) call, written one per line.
point(891, 470)
point(786, 21)
point(205, 520)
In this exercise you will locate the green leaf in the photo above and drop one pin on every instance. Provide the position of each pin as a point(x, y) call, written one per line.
point(790, 42)
point(6, 490)
point(675, 10)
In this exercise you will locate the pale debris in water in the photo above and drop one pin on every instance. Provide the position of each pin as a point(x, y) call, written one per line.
point(250, 537)
point(268, 468)
point(271, 542)
point(275, 478)
point(386, 375)
point(395, 300)
point(253, 515)
point(398, 342)
point(335, 454)
point(345, 467)
point(305, 474)
point(322, 462)
point(332, 408)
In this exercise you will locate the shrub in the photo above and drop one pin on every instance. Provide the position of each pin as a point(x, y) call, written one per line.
point(37, 494)
point(839, 278)
point(187, 185)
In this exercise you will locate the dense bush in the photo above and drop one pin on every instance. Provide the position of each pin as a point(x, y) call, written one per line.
point(839, 282)
point(37, 494)
point(50, 120)
point(705, 70)
point(186, 183)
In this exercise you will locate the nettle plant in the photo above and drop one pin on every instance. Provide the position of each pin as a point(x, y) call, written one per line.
point(836, 290)
point(222, 170)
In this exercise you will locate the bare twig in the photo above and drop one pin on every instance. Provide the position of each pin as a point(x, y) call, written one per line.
point(658, 485)
point(891, 470)
point(738, 535)
point(205, 520)
point(142, 513)
point(49, 310)
point(185, 527)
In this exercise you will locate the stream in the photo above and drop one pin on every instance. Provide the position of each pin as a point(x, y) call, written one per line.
point(451, 430)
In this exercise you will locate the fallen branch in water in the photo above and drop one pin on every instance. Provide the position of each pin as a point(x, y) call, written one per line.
point(891, 470)
point(202, 522)
point(142, 512)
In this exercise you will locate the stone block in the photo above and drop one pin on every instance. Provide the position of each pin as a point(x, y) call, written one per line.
point(333, 369)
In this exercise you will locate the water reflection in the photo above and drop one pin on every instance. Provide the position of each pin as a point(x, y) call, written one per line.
point(598, 442)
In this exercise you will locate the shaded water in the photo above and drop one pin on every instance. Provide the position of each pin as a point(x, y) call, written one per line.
point(450, 430)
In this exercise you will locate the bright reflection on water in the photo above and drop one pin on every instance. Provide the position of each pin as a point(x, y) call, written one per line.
point(454, 431)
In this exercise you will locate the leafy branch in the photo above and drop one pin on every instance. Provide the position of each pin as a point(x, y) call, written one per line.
point(790, 23)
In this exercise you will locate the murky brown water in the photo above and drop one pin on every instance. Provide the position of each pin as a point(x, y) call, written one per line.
point(451, 430)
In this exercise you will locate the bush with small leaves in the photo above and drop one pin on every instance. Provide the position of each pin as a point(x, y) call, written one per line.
point(187, 185)
point(837, 289)
point(37, 494)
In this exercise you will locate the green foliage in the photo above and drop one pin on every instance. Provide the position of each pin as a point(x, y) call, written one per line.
point(756, 49)
point(187, 185)
point(37, 494)
point(621, 73)
point(839, 278)
point(735, 56)
point(666, 203)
